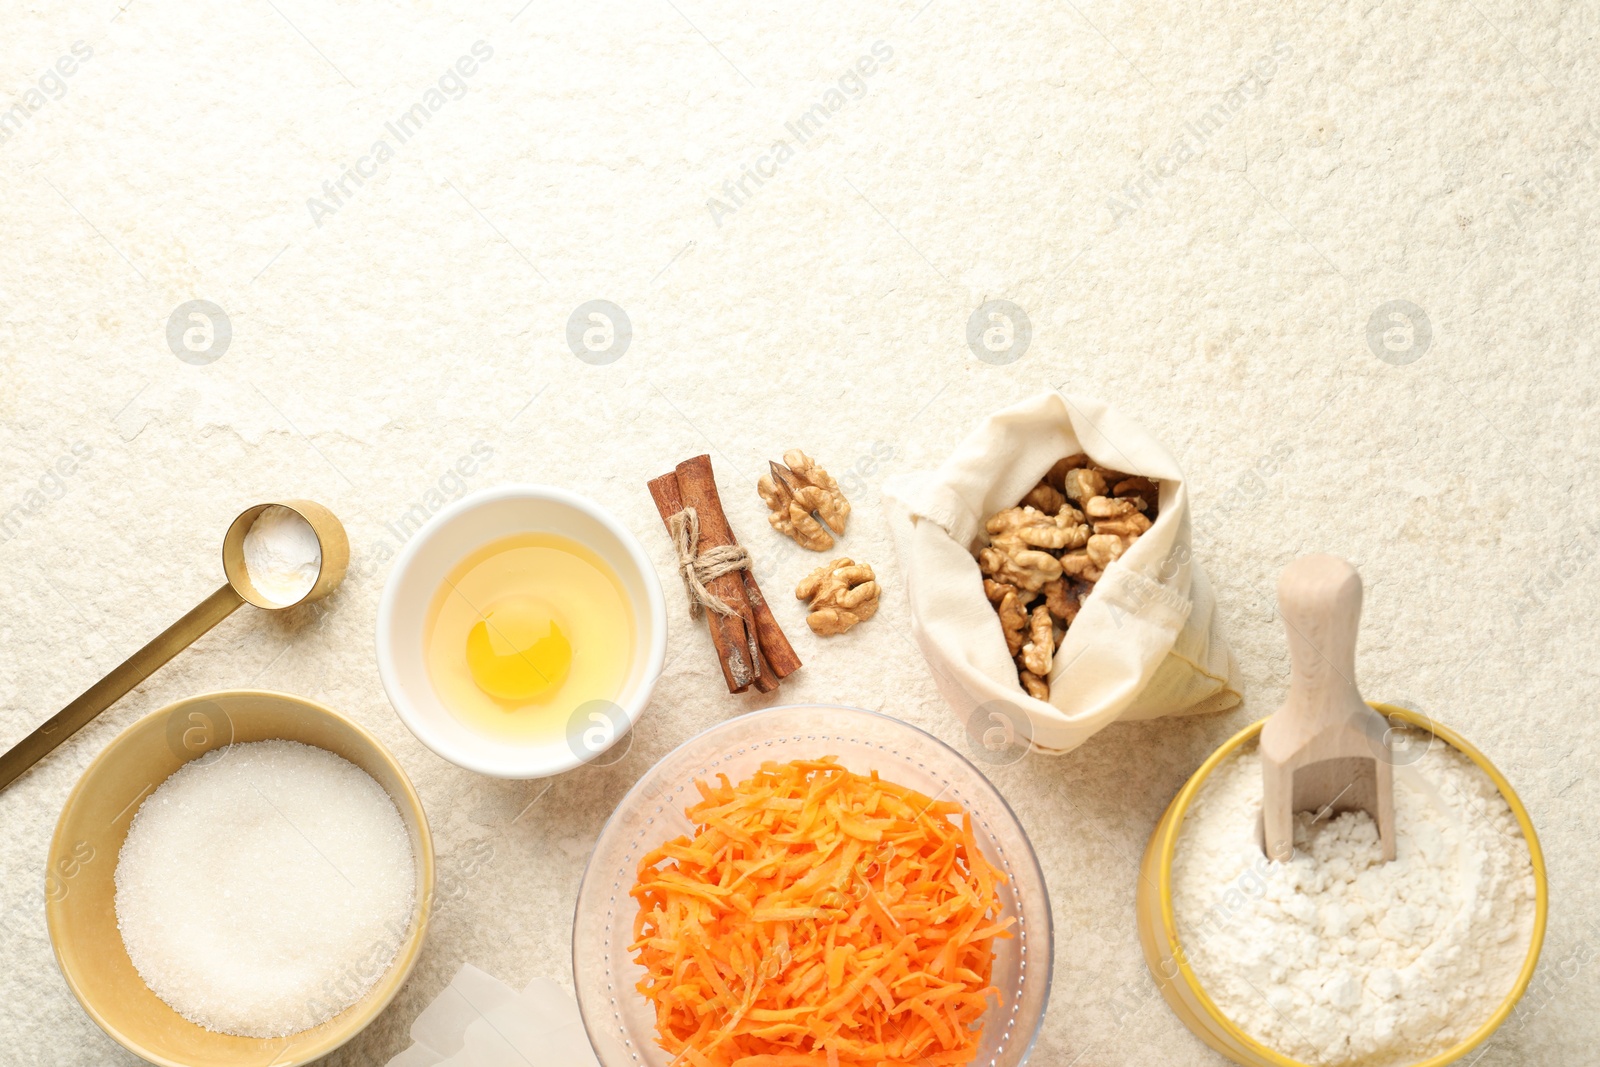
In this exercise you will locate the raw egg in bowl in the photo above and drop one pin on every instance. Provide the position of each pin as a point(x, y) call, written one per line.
point(521, 631)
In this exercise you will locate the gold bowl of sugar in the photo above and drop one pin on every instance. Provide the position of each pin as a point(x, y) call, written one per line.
point(81, 894)
point(1170, 962)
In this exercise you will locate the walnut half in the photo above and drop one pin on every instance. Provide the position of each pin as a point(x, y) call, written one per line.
point(805, 501)
point(842, 594)
point(1041, 642)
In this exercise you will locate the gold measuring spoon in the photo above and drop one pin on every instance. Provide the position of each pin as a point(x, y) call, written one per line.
point(180, 635)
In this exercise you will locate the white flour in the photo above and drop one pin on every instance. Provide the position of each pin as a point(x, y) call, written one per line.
point(1336, 958)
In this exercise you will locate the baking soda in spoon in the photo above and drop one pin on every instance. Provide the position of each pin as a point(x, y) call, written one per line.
point(282, 554)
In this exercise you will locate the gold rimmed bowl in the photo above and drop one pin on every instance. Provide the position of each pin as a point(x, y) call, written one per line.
point(80, 884)
point(1168, 960)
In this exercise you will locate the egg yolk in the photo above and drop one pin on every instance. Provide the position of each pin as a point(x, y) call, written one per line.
point(518, 652)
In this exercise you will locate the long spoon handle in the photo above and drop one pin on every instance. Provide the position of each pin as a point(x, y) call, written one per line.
point(115, 685)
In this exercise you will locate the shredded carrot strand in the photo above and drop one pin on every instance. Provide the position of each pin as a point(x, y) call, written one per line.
point(818, 918)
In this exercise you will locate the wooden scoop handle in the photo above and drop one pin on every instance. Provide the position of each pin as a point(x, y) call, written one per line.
point(1319, 598)
point(1319, 751)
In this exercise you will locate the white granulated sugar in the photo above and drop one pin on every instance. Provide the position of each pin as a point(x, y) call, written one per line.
point(265, 887)
point(1337, 958)
point(282, 554)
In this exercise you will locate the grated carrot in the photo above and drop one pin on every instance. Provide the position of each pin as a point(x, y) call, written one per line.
point(818, 918)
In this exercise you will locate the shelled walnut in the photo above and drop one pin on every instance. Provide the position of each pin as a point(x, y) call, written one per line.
point(805, 501)
point(1057, 543)
point(842, 594)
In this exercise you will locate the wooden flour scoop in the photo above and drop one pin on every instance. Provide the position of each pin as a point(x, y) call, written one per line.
point(1322, 750)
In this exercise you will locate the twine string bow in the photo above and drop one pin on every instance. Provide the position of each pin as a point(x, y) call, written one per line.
point(698, 568)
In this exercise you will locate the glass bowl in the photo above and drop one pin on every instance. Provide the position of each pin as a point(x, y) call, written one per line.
point(621, 1022)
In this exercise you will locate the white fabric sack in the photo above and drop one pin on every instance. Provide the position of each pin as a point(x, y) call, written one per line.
point(1145, 642)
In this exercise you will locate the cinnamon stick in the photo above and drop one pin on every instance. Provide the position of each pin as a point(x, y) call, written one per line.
point(776, 658)
point(698, 488)
point(774, 645)
point(727, 632)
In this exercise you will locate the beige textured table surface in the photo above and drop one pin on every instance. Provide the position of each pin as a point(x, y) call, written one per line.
point(1202, 210)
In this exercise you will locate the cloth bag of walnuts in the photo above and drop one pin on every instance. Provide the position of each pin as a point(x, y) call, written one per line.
point(1145, 642)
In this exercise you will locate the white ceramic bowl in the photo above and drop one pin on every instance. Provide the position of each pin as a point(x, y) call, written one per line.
point(419, 571)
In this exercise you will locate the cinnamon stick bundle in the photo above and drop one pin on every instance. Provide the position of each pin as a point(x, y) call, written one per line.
point(692, 485)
